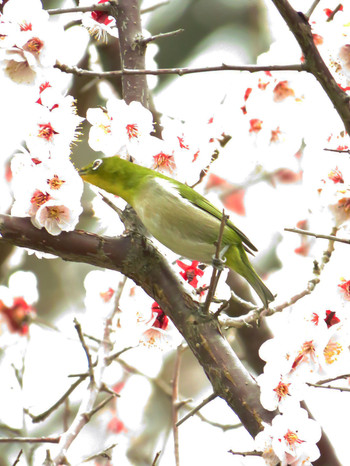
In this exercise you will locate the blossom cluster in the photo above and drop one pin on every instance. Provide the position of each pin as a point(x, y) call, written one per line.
point(127, 129)
point(311, 347)
point(45, 184)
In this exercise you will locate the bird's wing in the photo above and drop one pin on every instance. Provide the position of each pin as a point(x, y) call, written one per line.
point(201, 202)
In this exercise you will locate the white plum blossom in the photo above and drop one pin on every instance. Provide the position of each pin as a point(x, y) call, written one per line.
point(292, 437)
point(131, 123)
point(98, 23)
point(100, 135)
point(52, 130)
point(31, 42)
point(279, 391)
point(56, 217)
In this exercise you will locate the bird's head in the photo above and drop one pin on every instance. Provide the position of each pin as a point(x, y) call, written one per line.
point(113, 174)
point(102, 173)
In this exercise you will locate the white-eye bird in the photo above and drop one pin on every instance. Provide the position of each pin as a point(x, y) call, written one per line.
point(176, 215)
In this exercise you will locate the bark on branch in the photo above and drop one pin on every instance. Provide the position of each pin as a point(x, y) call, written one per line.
point(314, 64)
point(230, 380)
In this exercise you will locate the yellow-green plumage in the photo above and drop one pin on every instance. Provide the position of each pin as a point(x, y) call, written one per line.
point(176, 215)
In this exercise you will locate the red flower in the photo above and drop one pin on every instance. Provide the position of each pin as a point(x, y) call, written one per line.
point(336, 176)
point(331, 319)
point(247, 93)
point(255, 125)
point(17, 316)
point(161, 319)
point(282, 91)
point(190, 272)
point(101, 16)
point(164, 161)
point(116, 426)
point(345, 286)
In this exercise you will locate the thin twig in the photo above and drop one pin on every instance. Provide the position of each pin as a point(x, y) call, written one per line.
point(81, 9)
point(340, 151)
point(334, 12)
point(179, 71)
point(154, 7)
point(18, 458)
point(223, 427)
point(102, 405)
point(312, 9)
point(116, 355)
point(318, 235)
point(111, 205)
point(256, 314)
point(329, 387)
point(86, 409)
point(161, 35)
point(197, 408)
point(246, 453)
point(102, 454)
point(98, 7)
point(339, 377)
point(45, 414)
point(216, 272)
point(174, 399)
point(29, 439)
point(86, 349)
point(154, 462)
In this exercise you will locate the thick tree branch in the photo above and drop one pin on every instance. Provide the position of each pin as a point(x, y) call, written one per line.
point(230, 380)
point(132, 52)
point(314, 63)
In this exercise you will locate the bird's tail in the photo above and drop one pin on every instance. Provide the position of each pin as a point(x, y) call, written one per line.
point(237, 260)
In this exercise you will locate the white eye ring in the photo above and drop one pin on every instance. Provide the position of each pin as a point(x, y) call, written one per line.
point(96, 164)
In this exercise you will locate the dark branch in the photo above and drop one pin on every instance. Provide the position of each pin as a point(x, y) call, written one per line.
point(314, 63)
point(230, 380)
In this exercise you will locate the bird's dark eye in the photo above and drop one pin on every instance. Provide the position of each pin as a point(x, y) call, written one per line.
point(96, 164)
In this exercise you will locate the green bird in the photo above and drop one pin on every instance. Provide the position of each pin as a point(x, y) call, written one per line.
point(176, 215)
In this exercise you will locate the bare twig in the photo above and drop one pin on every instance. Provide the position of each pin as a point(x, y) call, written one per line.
point(216, 261)
point(179, 71)
point(102, 404)
point(162, 35)
point(175, 408)
point(318, 235)
point(246, 453)
point(116, 355)
point(81, 9)
point(312, 8)
point(334, 12)
point(18, 458)
point(332, 379)
point(197, 408)
point(86, 349)
point(86, 409)
point(329, 387)
point(156, 458)
point(111, 205)
point(154, 7)
point(340, 151)
point(98, 7)
point(105, 453)
point(45, 414)
point(29, 439)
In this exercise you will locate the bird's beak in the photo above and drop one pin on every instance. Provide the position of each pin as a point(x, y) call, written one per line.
point(83, 171)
